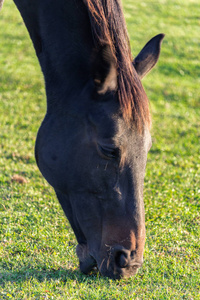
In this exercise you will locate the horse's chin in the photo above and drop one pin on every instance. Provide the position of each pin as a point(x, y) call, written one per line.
point(87, 262)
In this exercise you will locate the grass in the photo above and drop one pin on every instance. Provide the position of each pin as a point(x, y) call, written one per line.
point(37, 245)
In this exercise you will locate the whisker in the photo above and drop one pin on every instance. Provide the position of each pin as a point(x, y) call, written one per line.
point(101, 264)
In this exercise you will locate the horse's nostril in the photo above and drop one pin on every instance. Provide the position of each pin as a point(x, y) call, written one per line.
point(121, 259)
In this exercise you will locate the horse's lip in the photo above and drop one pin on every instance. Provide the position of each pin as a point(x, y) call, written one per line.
point(88, 264)
point(135, 264)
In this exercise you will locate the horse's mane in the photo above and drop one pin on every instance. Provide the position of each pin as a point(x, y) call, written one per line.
point(109, 28)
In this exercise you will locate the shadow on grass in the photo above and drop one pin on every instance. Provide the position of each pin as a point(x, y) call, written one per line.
point(45, 275)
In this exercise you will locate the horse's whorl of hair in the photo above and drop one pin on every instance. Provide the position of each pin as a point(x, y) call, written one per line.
point(109, 27)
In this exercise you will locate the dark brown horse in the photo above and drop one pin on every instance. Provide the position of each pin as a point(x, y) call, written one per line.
point(92, 145)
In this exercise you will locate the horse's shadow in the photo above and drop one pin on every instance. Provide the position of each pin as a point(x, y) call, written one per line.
point(41, 275)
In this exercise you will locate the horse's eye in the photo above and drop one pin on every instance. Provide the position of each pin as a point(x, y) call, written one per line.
point(108, 152)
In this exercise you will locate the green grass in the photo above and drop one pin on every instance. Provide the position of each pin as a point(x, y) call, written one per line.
point(37, 245)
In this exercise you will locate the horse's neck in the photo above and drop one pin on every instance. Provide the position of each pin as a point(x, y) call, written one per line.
point(65, 32)
point(61, 34)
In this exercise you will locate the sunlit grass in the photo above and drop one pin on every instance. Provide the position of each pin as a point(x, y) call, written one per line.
point(37, 245)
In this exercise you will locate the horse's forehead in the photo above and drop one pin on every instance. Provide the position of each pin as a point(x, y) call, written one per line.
point(130, 140)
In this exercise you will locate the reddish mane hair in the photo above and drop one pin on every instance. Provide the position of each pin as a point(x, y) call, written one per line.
point(109, 28)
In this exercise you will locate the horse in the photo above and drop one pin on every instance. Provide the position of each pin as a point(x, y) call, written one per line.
point(93, 142)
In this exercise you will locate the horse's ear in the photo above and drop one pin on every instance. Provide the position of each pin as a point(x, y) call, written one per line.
point(104, 71)
point(148, 56)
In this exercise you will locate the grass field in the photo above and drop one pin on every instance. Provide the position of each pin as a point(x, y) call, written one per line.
point(37, 245)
